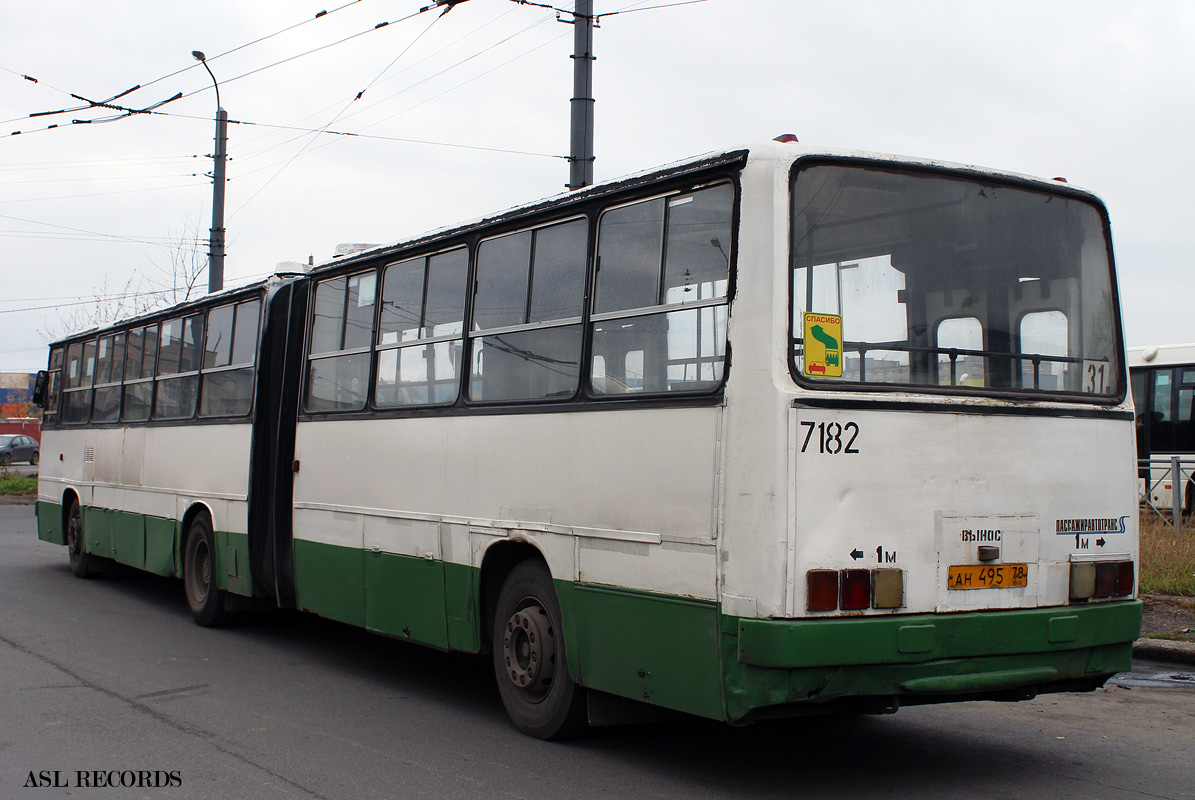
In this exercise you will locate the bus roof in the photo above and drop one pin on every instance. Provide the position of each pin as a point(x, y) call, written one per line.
point(277, 278)
point(780, 153)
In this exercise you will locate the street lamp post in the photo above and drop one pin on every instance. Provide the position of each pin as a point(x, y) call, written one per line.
point(215, 268)
point(580, 157)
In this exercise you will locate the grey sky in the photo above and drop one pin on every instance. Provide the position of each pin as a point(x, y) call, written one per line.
point(1098, 92)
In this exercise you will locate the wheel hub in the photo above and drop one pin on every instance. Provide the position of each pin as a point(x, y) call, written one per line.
point(529, 650)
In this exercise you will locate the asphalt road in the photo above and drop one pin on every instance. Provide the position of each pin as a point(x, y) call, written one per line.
point(111, 675)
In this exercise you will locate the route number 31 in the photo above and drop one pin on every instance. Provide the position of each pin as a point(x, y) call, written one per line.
point(831, 438)
point(1096, 377)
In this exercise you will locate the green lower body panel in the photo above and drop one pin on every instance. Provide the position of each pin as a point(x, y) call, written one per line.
point(233, 575)
point(161, 554)
point(49, 522)
point(461, 607)
point(147, 543)
point(404, 596)
point(656, 648)
point(395, 595)
point(138, 540)
point(330, 581)
point(774, 667)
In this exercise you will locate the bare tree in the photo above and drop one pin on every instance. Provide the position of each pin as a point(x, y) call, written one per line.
point(176, 280)
point(182, 278)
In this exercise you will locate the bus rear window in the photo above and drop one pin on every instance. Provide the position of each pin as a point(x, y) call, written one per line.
point(926, 280)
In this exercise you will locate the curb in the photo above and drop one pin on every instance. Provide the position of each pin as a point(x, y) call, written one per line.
point(1165, 650)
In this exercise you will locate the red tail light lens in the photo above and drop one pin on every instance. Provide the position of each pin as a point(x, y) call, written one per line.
point(821, 590)
point(1105, 579)
point(856, 589)
point(1124, 578)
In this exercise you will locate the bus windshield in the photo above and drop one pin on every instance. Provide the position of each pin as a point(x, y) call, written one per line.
point(928, 280)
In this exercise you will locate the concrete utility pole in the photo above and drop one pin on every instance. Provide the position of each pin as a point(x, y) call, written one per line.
point(580, 157)
point(215, 254)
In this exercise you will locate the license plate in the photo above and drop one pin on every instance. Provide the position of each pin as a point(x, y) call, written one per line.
point(983, 576)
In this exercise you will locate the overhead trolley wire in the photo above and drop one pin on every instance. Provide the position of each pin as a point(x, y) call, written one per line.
point(357, 97)
point(128, 112)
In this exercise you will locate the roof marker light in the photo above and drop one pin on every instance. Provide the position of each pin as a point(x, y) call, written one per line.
point(786, 137)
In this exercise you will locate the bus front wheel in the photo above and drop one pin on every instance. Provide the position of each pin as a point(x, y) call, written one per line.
point(81, 561)
point(199, 575)
point(530, 662)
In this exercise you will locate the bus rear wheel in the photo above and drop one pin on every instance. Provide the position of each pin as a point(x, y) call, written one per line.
point(81, 561)
point(204, 597)
point(530, 662)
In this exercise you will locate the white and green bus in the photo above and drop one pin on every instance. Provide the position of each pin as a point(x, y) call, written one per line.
point(1163, 384)
point(773, 431)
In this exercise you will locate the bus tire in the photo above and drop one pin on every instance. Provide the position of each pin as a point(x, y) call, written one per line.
point(204, 597)
point(82, 562)
point(530, 663)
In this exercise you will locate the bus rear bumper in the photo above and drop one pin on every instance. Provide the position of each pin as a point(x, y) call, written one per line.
point(793, 667)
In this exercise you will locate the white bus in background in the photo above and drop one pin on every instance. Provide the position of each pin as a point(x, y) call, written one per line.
point(767, 432)
point(1163, 382)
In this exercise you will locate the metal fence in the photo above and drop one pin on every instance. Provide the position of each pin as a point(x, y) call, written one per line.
point(1164, 483)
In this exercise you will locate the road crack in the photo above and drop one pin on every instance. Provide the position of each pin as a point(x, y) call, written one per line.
point(211, 738)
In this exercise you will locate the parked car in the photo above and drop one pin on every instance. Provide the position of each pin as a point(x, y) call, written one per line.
point(18, 448)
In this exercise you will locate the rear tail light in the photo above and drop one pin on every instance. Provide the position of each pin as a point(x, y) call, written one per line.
point(1124, 578)
point(888, 588)
point(1105, 580)
point(821, 590)
point(1101, 579)
point(1082, 580)
point(854, 589)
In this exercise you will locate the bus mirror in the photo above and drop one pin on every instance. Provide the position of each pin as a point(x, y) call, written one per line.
point(39, 388)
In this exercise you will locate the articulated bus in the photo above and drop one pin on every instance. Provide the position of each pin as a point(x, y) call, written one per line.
point(773, 431)
point(1163, 383)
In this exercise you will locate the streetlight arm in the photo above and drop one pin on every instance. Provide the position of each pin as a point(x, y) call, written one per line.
point(202, 59)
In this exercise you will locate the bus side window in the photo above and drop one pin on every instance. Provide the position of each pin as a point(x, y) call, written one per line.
point(54, 382)
point(140, 354)
point(80, 372)
point(662, 283)
point(527, 314)
point(342, 327)
point(420, 330)
point(1161, 422)
point(1137, 379)
point(110, 367)
point(226, 386)
point(1184, 418)
point(181, 350)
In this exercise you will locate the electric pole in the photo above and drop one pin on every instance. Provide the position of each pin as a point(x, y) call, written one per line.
point(580, 157)
point(215, 255)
